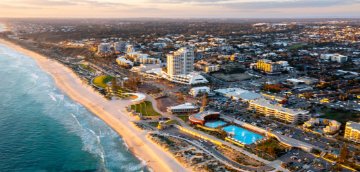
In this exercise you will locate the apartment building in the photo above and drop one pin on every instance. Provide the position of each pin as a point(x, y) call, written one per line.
point(268, 66)
point(352, 131)
point(275, 110)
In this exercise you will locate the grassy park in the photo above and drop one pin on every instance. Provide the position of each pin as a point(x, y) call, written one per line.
point(185, 118)
point(102, 80)
point(87, 67)
point(145, 108)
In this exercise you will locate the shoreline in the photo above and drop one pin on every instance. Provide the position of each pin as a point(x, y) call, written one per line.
point(113, 112)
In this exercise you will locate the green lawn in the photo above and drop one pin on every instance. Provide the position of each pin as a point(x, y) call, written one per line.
point(185, 118)
point(102, 80)
point(171, 122)
point(145, 108)
point(87, 67)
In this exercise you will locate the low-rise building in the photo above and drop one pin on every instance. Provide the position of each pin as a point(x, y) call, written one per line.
point(183, 108)
point(206, 66)
point(275, 110)
point(122, 61)
point(202, 117)
point(268, 66)
point(352, 131)
point(238, 94)
point(328, 126)
point(147, 60)
point(189, 79)
point(334, 57)
point(195, 91)
point(211, 68)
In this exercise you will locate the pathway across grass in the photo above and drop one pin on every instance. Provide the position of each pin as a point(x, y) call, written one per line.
point(102, 80)
point(145, 108)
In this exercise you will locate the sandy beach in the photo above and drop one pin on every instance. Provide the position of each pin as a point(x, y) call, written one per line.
point(112, 112)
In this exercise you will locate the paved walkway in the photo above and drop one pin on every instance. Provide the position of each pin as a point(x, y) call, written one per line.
point(217, 156)
point(274, 164)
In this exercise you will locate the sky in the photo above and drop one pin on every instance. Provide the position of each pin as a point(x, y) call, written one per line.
point(180, 8)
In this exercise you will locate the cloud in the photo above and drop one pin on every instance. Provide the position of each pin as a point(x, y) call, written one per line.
point(291, 4)
point(57, 3)
point(188, 1)
point(262, 4)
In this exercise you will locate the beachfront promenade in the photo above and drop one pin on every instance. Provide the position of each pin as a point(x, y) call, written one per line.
point(112, 112)
point(276, 165)
point(212, 152)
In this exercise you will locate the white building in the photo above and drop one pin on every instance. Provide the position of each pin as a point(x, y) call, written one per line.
point(183, 108)
point(238, 94)
point(275, 110)
point(195, 91)
point(180, 62)
point(180, 67)
point(122, 61)
point(147, 60)
point(334, 57)
point(189, 79)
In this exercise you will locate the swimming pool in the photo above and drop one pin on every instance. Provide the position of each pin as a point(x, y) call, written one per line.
point(215, 124)
point(243, 135)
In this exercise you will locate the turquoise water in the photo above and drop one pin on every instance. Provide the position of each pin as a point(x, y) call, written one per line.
point(41, 129)
point(243, 135)
point(215, 124)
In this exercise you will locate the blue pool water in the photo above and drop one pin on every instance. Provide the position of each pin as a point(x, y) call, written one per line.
point(41, 129)
point(243, 135)
point(215, 124)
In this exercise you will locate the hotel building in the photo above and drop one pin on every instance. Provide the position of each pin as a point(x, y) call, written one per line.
point(180, 67)
point(267, 108)
point(352, 131)
point(180, 62)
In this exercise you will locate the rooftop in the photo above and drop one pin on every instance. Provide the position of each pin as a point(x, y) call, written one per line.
point(353, 125)
point(239, 93)
point(268, 104)
point(184, 106)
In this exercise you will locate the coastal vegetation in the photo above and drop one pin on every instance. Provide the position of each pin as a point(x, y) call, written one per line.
point(145, 108)
point(270, 149)
point(87, 68)
point(185, 118)
point(102, 80)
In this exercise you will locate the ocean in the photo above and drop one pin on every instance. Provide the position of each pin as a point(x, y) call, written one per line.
point(41, 129)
